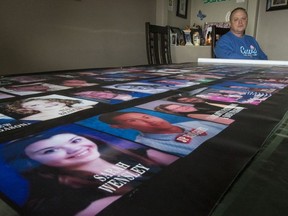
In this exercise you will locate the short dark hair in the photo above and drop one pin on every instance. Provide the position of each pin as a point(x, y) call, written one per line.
point(109, 118)
point(236, 9)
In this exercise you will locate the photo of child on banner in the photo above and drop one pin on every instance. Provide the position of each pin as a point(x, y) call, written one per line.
point(170, 133)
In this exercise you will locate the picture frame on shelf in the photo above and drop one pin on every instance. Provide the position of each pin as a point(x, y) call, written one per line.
point(180, 35)
point(273, 5)
point(208, 29)
point(173, 39)
point(182, 6)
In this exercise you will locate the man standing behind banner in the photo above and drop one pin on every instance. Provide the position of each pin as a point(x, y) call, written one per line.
point(235, 44)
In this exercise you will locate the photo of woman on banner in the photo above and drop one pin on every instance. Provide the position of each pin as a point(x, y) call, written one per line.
point(73, 170)
point(151, 88)
point(202, 78)
point(32, 88)
point(76, 83)
point(108, 96)
point(204, 105)
point(27, 79)
point(104, 79)
point(250, 86)
point(45, 107)
point(209, 113)
point(173, 83)
point(131, 75)
point(229, 96)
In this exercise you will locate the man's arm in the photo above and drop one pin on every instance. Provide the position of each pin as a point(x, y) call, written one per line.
point(225, 49)
point(261, 54)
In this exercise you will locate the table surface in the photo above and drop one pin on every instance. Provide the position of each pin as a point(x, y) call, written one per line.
point(262, 188)
point(240, 170)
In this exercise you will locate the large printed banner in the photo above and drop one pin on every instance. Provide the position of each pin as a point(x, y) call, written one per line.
point(101, 138)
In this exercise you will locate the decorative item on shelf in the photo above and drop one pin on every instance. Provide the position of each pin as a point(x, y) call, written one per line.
point(180, 35)
point(208, 38)
point(196, 39)
point(187, 34)
point(173, 39)
point(208, 30)
point(197, 35)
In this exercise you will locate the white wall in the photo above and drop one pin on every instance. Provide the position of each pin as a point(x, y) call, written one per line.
point(272, 31)
point(45, 35)
point(177, 21)
point(214, 11)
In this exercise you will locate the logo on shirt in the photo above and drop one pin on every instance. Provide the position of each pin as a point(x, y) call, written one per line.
point(188, 135)
point(251, 51)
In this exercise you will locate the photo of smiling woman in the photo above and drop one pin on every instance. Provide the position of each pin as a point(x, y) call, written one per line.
point(192, 112)
point(45, 107)
point(73, 170)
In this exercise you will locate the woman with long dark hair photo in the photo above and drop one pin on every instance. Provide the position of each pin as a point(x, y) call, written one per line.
point(75, 171)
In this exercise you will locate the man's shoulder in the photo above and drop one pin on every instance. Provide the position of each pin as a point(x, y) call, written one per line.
point(226, 36)
point(248, 36)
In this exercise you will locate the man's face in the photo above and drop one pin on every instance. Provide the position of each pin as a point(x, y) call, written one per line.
point(238, 22)
point(142, 122)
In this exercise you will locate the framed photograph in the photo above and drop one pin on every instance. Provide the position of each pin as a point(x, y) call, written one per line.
point(208, 29)
point(180, 35)
point(182, 6)
point(173, 39)
point(276, 5)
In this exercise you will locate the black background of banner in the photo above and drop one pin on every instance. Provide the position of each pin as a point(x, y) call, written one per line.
point(194, 184)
